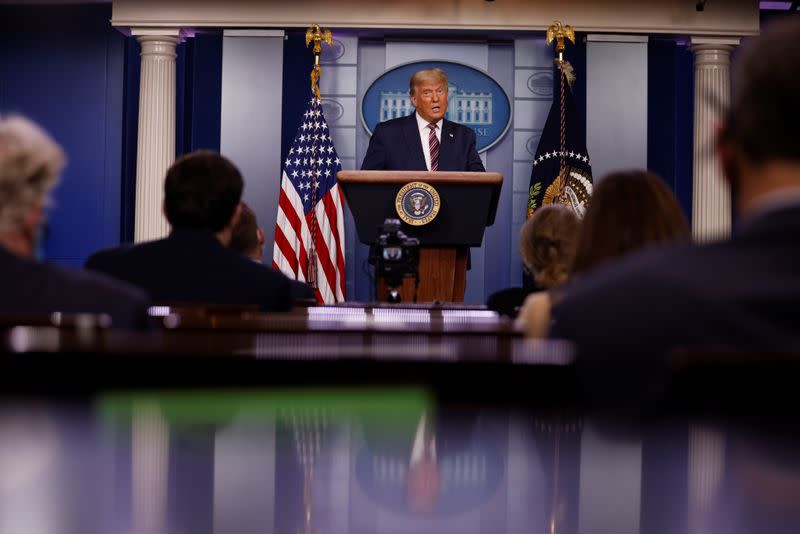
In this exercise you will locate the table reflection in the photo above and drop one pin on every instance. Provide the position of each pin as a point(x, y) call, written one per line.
point(382, 461)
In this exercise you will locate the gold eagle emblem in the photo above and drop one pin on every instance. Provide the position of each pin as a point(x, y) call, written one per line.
point(556, 32)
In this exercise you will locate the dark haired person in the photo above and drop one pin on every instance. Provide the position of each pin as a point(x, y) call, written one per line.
point(248, 238)
point(202, 194)
point(629, 210)
point(424, 140)
point(741, 292)
point(30, 165)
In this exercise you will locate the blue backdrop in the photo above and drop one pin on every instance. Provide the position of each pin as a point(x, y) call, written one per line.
point(63, 66)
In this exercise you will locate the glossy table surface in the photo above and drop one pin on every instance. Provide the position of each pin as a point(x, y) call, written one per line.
point(373, 421)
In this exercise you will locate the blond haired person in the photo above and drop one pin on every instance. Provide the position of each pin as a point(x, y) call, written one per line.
point(30, 165)
point(547, 242)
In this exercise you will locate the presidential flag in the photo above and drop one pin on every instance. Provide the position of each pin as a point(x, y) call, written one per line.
point(561, 171)
point(309, 234)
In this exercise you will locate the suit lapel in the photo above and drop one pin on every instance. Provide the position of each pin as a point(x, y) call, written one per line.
point(416, 159)
point(447, 147)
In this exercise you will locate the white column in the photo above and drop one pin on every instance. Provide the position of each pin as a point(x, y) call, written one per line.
point(156, 143)
point(149, 466)
point(244, 497)
point(604, 459)
point(711, 204)
point(706, 469)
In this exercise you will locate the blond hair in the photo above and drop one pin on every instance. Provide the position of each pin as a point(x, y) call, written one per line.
point(547, 242)
point(434, 74)
point(30, 164)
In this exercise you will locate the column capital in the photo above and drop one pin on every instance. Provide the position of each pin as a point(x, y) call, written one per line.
point(175, 32)
point(712, 51)
point(697, 42)
point(158, 45)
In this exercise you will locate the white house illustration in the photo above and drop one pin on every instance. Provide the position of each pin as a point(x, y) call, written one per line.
point(469, 108)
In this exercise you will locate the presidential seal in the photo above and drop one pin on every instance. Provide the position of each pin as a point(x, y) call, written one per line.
point(573, 192)
point(417, 203)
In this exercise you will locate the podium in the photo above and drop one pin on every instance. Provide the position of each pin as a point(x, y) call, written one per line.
point(468, 204)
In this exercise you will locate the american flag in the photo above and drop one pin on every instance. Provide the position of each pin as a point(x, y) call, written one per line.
point(309, 234)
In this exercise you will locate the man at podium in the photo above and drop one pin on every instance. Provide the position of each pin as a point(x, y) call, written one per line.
point(425, 140)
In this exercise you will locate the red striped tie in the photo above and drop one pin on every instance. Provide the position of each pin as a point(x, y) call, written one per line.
point(433, 143)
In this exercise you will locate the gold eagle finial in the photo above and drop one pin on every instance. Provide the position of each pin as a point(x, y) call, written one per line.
point(557, 32)
point(317, 35)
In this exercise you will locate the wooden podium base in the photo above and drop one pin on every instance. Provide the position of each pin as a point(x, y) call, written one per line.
point(442, 277)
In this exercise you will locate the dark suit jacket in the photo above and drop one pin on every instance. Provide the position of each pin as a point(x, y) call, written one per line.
point(192, 266)
point(29, 287)
point(740, 292)
point(395, 146)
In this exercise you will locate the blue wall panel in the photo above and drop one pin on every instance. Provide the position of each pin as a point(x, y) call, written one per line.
point(130, 131)
point(371, 64)
point(252, 109)
point(670, 118)
point(199, 93)
point(66, 73)
point(297, 64)
point(497, 243)
point(206, 90)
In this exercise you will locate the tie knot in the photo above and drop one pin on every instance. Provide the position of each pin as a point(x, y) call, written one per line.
point(433, 126)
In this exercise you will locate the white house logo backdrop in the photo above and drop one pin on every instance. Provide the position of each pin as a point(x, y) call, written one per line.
point(475, 99)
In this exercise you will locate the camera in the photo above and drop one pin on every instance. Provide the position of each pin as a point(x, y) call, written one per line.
point(395, 256)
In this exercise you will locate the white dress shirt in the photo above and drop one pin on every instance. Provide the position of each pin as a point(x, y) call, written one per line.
point(424, 133)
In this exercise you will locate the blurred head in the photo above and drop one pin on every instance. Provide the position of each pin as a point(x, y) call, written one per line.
point(428, 90)
point(627, 211)
point(30, 163)
point(202, 192)
point(762, 125)
point(547, 243)
point(247, 237)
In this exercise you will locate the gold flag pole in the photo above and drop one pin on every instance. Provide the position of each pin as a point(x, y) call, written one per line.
point(315, 35)
point(559, 33)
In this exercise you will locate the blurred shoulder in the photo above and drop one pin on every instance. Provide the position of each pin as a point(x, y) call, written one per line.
point(122, 253)
point(98, 284)
point(106, 254)
point(639, 281)
point(251, 268)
